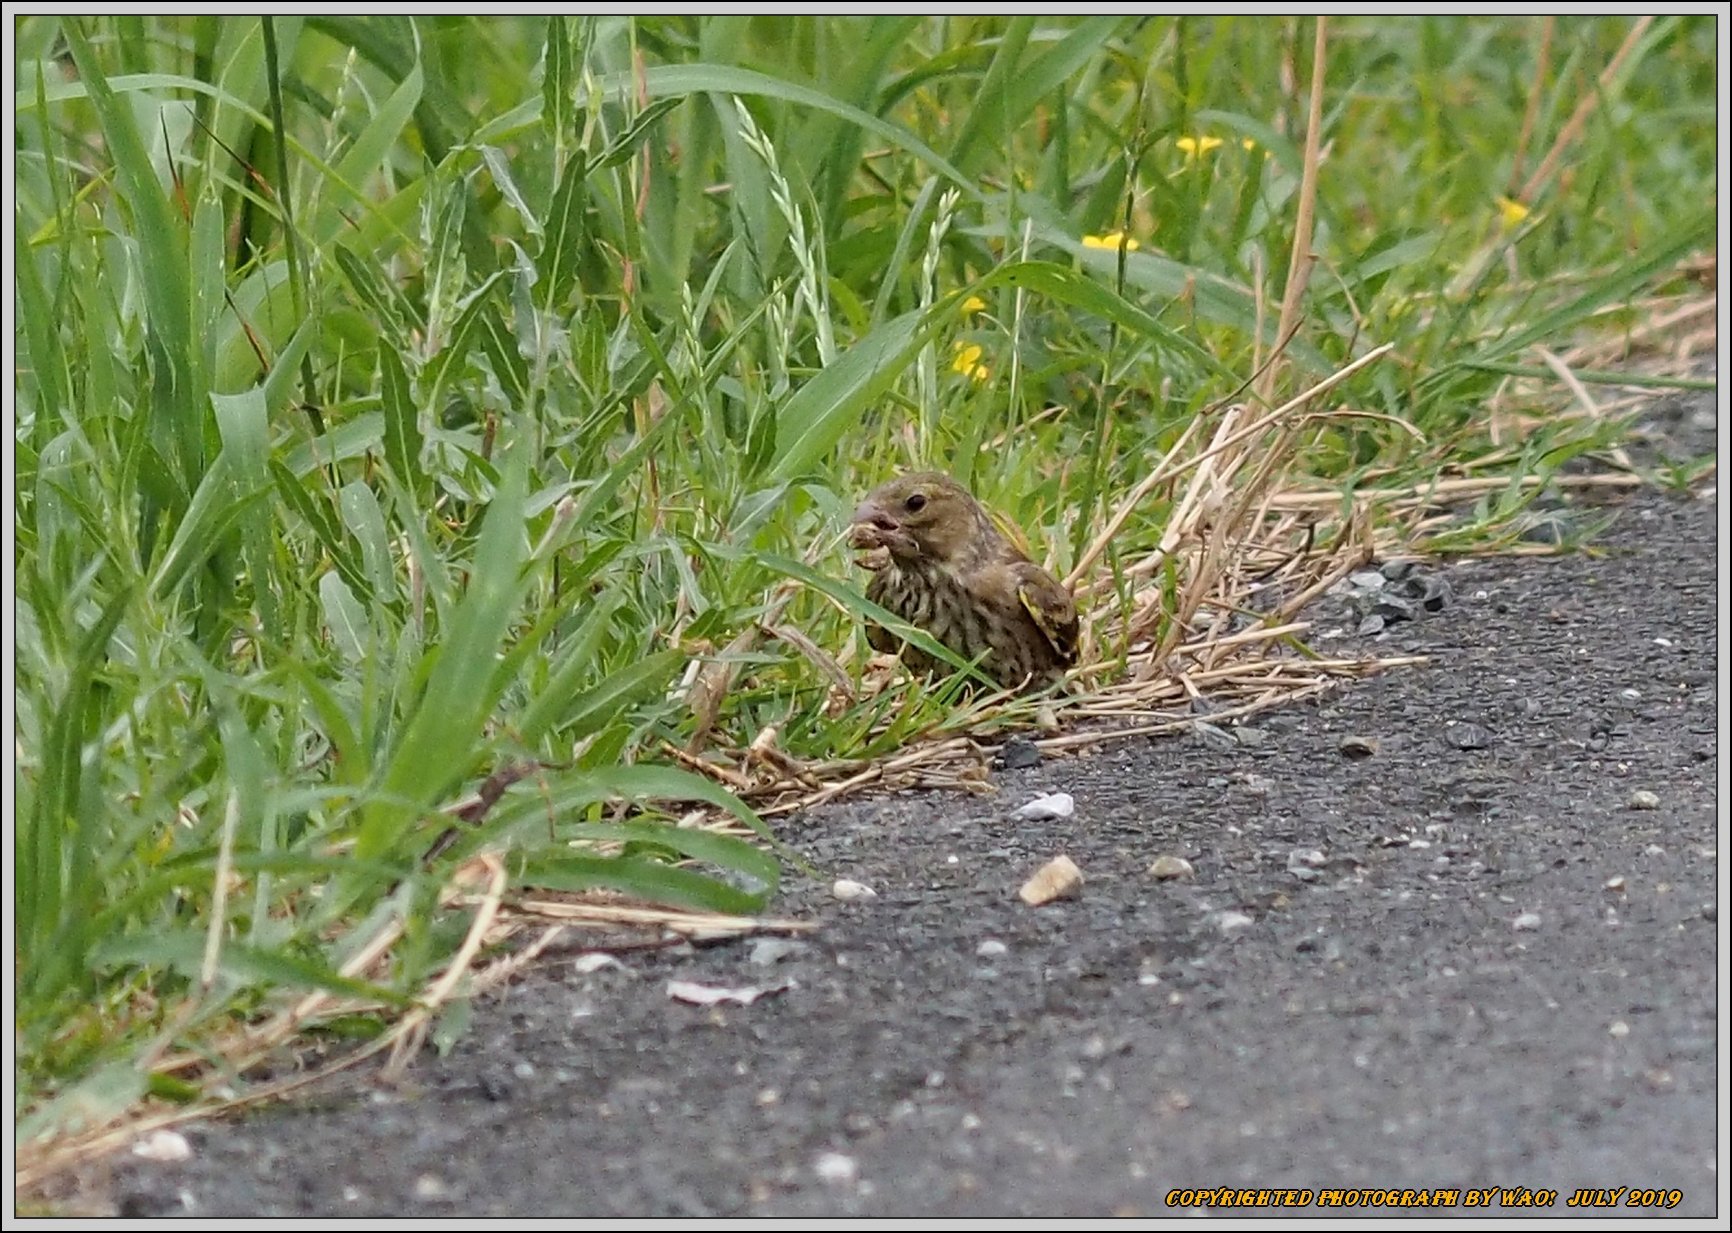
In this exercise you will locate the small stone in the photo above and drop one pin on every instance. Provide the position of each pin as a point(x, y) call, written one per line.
point(1257, 785)
point(594, 961)
point(1305, 860)
point(847, 889)
point(1017, 754)
point(1358, 746)
point(1232, 922)
point(1653, 849)
point(1367, 580)
point(430, 1187)
point(1212, 735)
point(1393, 608)
point(1641, 798)
point(836, 1169)
point(524, 1070)
point(1618, 1030)
point(1059, 878)
point(1167, 868)
point(1630, 695)
point(766, 951)
point(991, 948)
point(1710, 912)
point(1372, 624)
point(691, 992)
point(1435, 595)
point(1470, 736)
point(1250, 738)
point(1046, 808)
point(163, 1147)
point(1527, 922)
point(1400, 568)
point(1615, 884)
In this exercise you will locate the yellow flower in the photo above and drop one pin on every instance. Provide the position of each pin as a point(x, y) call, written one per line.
point(967, 361)
point(1512, 211)
point(1194, 147)
point(1111, 240)
point(974, 304)
point(1249, 144)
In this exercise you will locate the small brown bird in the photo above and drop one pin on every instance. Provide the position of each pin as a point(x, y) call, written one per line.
point(939, 563)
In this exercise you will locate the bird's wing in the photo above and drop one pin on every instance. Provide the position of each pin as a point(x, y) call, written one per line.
point(1051, 608)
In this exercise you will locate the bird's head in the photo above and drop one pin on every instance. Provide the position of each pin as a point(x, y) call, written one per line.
point(922, 515)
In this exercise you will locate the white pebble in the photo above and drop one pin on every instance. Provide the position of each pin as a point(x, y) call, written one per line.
point(1167, 868)
point(1641, 798)
point(163, 1146)
point(1046, 808)
point(991, 948)
point(837, 1169)
point(1526, 922)
point(847, 888)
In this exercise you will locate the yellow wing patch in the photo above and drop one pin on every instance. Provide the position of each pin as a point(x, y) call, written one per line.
point(1052, 611)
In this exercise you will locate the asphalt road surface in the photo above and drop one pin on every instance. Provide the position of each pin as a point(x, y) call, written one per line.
point(1479, 958)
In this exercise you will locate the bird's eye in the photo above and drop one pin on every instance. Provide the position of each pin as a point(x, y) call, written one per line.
point(916, 502)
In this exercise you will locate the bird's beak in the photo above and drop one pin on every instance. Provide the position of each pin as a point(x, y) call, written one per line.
point(871, 514)
point(875, 534)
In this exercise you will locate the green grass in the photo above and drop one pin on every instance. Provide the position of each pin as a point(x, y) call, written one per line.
point(538, 357)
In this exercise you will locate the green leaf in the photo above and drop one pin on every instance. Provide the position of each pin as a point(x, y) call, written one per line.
point(726, 851)
point(363, 159)
point(402, 422)
point(163, 256)
point(558, 82)
point(241, 423)
point(649, 880)
point(54, 854)
point(351, 631)
point(366, 522)
point(1082, 292)
point(989, 114)
point(568, 791)
point(441, 742)
point(183, 951)
point(811, 423)
point(563, 233)
point(589, 710)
